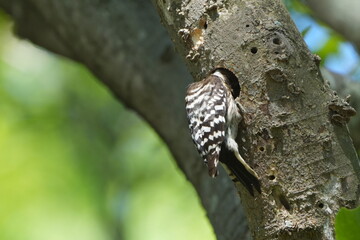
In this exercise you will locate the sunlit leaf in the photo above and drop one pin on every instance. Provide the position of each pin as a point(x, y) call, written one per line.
point(348, 224)
point(305, 31)
point(331, 46)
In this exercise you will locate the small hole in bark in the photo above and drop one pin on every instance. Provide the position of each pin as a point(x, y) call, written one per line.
point(276, 52)
point(276, 41)
point(247, 25)
point(272, 177)
point(254, 50)
point(261, 149)
point(233, 81)
point(321, 205)
point(203, 23)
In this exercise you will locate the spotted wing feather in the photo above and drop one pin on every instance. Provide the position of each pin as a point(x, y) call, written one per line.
point(206, 108)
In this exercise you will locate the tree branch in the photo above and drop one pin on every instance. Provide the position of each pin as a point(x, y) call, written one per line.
point(342, 16)
point(125, 46)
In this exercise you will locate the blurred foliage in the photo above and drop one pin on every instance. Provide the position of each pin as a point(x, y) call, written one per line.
point(331, 46)
point(348, 224)
point(297, 5)
point(75, 164)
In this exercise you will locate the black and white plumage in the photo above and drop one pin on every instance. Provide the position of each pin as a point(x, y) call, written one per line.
point(214, 117)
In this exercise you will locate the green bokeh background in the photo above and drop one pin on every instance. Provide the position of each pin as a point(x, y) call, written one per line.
point(77, 165)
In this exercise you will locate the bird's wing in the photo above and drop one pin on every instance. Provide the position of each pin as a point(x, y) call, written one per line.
point(206, 108)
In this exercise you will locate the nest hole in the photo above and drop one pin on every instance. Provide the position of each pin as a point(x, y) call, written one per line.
point(320, 205)
point(232, 80)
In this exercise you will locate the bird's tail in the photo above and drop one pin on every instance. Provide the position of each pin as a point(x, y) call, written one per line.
point(212, 163)
point(247, 179)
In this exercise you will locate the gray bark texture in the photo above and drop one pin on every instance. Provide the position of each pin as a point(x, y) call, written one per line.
point(294, 127)
point(343, 16)
point(307, 164)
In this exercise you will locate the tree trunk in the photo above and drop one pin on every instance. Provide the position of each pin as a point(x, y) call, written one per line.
point(135, 60)
point(294, 129)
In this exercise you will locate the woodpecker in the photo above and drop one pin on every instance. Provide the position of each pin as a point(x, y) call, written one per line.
point(214, 116)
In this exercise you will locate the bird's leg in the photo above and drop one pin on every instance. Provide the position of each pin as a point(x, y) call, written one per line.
point(242, 161)
point(236, 152)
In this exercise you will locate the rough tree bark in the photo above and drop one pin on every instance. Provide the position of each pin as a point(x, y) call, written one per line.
point(294, 127)
point(132, 58)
